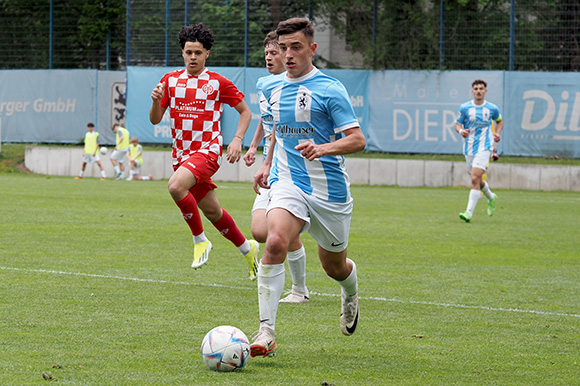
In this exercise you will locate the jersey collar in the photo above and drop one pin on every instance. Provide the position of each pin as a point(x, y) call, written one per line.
point(302, 78)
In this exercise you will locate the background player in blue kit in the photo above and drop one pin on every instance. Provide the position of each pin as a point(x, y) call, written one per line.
point(474, 124)
point(314, 125)
point(296, 253)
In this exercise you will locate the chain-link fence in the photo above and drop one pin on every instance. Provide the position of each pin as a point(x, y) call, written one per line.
point(423, 35)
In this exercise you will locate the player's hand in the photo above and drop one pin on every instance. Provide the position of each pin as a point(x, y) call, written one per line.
point(234, 152)
point(250, 157)
point(496, 137)
point(464, 133)
point(310, 150)
point(261, 178)
point(158, 91)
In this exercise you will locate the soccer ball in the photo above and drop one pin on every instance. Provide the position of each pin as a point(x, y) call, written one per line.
point(103, 150)
point(225, 348)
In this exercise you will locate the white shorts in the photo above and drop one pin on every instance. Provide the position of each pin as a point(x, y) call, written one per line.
point(327, 222)
point(479, 160)
point(119, 155)
point(261, 201)
point(88, 158)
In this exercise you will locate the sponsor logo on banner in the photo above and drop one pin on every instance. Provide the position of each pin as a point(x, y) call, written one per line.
point(558, 113)
point(118, 103)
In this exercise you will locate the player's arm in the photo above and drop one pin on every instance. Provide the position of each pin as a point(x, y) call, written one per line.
point(250, 156)
point(156, 111)
point(353, 141)
point(498, 129)
point(234, 150)
point(261, 176)
point(460, 130)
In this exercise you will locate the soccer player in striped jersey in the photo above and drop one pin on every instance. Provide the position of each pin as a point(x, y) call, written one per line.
point(314, 126)
point(196, 98)
point(474, 124)
point(296, 254)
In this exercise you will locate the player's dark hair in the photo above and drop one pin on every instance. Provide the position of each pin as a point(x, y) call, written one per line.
point(479, 81)
point(90, 124)
point(296, 24)
point(271, 38)
point(196, 33)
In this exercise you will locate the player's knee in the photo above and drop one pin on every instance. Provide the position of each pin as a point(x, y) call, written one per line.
point(176, 190)
point(259, 232)
point(277, 244)
point(212, 213)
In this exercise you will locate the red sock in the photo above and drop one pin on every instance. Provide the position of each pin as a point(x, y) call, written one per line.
point(188, 207)
point(228, 228)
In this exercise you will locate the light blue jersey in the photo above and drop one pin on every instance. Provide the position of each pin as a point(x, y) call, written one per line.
point(267, 121)
point(477, 121)
point(312, 108)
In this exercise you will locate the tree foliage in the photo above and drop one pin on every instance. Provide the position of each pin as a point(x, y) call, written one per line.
point(404, 34)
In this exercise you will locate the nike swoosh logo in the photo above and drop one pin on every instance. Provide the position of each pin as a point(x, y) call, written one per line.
point(336, 244)
point(354, 324)
point(273, 103)
point(263, 320)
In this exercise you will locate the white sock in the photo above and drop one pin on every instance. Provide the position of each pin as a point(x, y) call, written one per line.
point(81, 173)
point(270, 288)
point(473, 198)
point(297, 266)
point(145, 178)
point(199, 238)
point(245, 247)
point(487, 191)
point(103, 174)
point(350, 284)
point(117, 169)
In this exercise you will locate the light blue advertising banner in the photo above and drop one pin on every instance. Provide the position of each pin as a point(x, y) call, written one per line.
point(111, 103)
point(140, 83)
point(415, 111)
point(47, 105)
point(543, 114)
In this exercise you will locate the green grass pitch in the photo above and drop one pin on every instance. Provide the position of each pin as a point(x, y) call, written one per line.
point(96, 289)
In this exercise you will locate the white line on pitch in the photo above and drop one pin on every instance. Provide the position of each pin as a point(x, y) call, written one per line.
point(393, 300)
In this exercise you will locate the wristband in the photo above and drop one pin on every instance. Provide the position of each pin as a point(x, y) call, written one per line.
point(237, 136)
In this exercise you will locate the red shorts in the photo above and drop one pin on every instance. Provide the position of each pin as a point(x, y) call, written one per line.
point(202, 166)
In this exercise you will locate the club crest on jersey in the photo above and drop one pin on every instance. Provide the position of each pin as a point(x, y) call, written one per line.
point(208, 89)
point(302, 102)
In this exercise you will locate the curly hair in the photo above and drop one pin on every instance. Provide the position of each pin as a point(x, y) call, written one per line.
point(196, 33)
